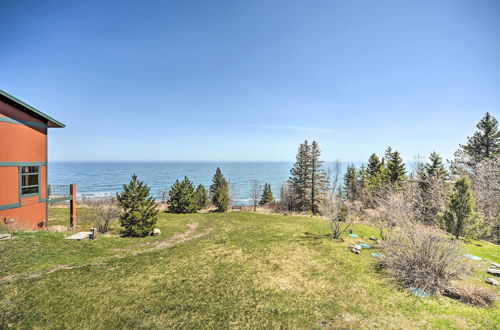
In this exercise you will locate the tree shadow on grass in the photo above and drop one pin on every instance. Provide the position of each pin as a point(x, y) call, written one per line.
point(312, 236)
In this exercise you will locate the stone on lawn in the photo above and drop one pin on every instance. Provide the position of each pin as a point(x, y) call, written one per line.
point(494, 271)
point(5, 236)
point(491, 281)
point(373, 238)
point(495, 265)
point(356, 249)
point(156, 232)
point(57, 229)
point(80, 236)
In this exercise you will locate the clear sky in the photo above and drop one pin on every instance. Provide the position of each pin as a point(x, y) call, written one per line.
point(250, 80)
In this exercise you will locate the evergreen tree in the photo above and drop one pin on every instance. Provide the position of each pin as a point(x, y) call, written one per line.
point(139, 211)
point(182, 198)
point(461, 218)
point(300, 179)
point(374, 166)
point(221, 198)
point(431, 179)
point(435, 168)
point(219, 191)
point(267, 195)
point(484, 144)
point(218, 180)
point(350, 188)
point(362, 183)
point(319, 182)
point(396, 172)
point(201, 196)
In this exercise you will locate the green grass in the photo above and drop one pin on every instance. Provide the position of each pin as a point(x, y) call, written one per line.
point(249, 271)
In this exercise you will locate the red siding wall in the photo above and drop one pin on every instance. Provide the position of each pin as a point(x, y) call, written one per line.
point(22, 141)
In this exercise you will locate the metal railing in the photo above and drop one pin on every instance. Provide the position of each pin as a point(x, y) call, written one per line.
point(59, 193)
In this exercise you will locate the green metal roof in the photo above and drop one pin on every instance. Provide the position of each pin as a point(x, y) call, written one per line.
point(51, 122)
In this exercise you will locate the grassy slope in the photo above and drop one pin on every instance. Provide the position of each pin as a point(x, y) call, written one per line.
point(252, 271)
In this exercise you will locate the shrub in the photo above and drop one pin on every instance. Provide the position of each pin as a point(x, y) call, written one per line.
point(139, 211)
point(102, 212)
point(416, 256)
point(336, 211)
point(182, 198)
point(472, 294)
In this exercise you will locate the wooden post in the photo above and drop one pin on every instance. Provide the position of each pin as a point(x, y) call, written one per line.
point(72, 206)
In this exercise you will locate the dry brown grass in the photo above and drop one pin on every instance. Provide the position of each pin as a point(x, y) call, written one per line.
point(472, 294)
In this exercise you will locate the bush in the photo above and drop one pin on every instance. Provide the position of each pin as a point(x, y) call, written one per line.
point(472, 294)
point(102, 212)
point(139, 211)
point(416, 256)
point(336, 211)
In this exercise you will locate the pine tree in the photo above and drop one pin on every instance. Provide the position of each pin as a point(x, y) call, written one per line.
point(319, 182)
point(461, 218)
point(300, 179)
point(201, 196)
point(139, 211)
point(219, 191)
point(221, 199)
point(374, 166)
point(267, 195)
point(350, 188)
point(218, 180)
point(396, 172)
point(362, 183)
point(431, 179)
point(484, 143)
point(435, 168)
point(182, 198)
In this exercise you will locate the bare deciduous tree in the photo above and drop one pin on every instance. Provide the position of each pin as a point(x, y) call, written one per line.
point(485, 179)
point(335, 210)
point(396, 207)
point(255, 191)
point(102, 212)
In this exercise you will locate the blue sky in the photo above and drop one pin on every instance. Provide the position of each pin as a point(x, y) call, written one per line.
point(250, 80)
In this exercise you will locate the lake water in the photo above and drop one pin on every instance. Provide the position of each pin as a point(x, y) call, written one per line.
point(106, 178)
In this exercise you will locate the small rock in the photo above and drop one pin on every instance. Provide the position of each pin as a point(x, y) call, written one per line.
point(373, 238)
point(495, 265)
point(356, 249)
point(156, 232)
point(57, 229)
point(5, 236)
point(491, 281)
point(494, 271)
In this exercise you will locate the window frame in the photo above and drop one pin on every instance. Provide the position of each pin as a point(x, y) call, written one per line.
point(21, 181)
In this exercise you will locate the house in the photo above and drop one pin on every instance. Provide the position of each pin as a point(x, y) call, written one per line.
point(24, 192)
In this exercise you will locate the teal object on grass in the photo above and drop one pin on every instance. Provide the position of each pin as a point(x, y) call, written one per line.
point(473, 257)
point(353, 235)
point(365, 246)
point(419, 292)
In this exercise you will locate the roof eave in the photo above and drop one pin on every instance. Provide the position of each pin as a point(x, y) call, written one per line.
point(51, 122)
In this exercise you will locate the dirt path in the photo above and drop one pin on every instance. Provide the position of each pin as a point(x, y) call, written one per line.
point(180, 238)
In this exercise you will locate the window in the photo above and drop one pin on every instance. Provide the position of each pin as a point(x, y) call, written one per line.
point(29, 180)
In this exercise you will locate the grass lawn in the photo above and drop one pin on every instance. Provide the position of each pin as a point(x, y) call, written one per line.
point(233, 270)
